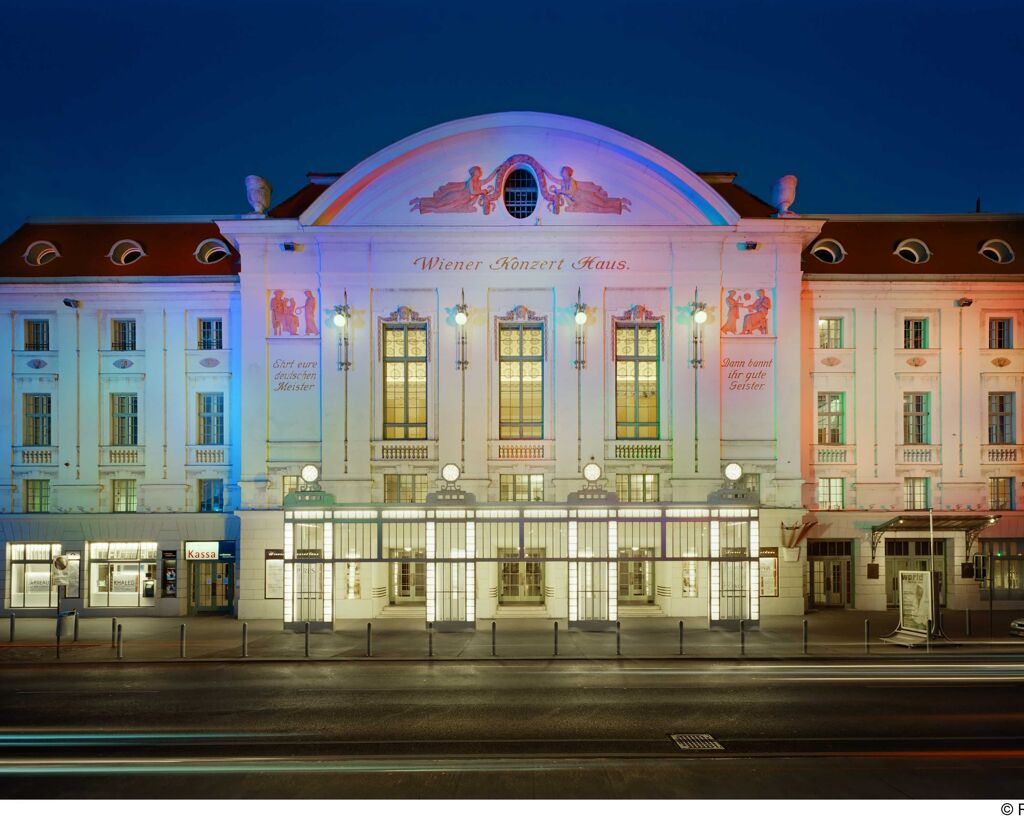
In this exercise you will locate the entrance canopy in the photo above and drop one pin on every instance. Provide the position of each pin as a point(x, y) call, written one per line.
point(970, 525)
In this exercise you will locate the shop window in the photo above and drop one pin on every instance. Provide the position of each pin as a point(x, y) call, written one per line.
point(405, 488)
point(830, 333)
point(768, 561)
point(211, 334)
point(124, 419)
point(637, 377)
point(830, 493)
point(273, 574)
point(211, 418)
point(915, 334)
point(37, 334)
point(916, 494)
point(405, 381)
point(1001, 564)
point(32, 583)
point(37, 495)
point(831, 418)
point(122, 574)
point(211, 495)
point(916, 418)
point(521, 487)
point(125, 497)
point(521, 381)
point(1000, 493)
point(122, 334)
point(1000, 333)
point(637, 487)
point(1001, 427)
point(36, 420)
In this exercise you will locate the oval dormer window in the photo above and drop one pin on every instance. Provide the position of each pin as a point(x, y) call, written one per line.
point(520, 193)
point(998, 251)
point(913, 251)
point(41, 252)
point(126, 252)
point(828, 250)
point(212, 250)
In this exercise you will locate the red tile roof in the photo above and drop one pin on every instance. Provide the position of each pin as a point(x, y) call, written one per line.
point(294, 206)
point(741, 200)
point(84, 247)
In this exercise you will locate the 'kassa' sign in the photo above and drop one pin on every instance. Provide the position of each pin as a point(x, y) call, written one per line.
point(202, 551)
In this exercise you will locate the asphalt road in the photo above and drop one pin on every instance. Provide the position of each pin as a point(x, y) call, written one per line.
point(513, 729)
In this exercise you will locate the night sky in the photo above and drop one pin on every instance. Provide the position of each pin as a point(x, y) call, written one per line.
point(115, 108)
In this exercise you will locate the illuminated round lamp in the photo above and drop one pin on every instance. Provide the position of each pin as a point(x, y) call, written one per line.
point(340, 319)
point(450, 473)
point(592, 472)
point(700, 316)
point(310, 473)
point(733, 471)
point(461, 315)
point(581, 314)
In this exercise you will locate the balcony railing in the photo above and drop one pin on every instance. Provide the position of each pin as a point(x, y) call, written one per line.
point(402, 451)
point(537, 450)
point(35, 455)
point(1000, 454)
point(638, 451)
point(918, 454)
point(116, 455)
point(834, 454)
point(206, 454)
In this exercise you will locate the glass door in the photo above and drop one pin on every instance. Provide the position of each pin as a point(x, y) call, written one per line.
point(734, 594)
point(408, 583)
point(213, 586)
point(522, 582)
point(636, 581)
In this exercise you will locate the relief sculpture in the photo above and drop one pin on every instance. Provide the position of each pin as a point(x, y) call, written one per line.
point(757, 315)
point(285, 315)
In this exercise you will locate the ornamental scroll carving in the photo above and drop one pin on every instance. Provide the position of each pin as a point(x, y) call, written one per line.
point(562, 192)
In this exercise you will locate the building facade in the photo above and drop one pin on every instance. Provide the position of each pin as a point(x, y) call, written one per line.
point(515, 365)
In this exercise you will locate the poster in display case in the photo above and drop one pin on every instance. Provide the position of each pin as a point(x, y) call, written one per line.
point(169, 574)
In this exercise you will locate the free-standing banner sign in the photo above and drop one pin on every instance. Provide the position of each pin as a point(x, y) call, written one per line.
point(917, 605)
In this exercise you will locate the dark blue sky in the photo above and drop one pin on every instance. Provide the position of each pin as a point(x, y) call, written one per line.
point(153, 107)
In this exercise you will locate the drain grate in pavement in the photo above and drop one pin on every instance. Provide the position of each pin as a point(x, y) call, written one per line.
point(697, 743)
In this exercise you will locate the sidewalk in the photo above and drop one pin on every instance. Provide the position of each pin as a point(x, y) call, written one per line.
point(831, 634)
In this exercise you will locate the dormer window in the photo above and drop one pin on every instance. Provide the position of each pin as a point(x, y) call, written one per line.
point(41, 252)
point(913, 251)
point(212, 250)
point(829, 251)
point(997, 251)
point(126, 252)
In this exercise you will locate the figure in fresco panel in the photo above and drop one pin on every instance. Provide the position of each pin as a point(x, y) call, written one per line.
point(309, 313)
point(291, 318)
point(732, 314)
point(458, 197)
point(757, 314)
point(277, 311)
point(585, 197)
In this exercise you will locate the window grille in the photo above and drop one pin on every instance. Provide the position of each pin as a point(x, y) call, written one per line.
point(408, 488)
point(211, 334)
point(37, 334)
point(124, 419)
point(521, 487)
point(915, 334)
point(830, 493)
point(640, 487)
point(916, 493)
point(405, 381)
point(211, 418)
point(1000, 418)
point(125, 497)
point(831, 421)
point(637, 375)
point(521, 381)
point(1000, 493)
point(122, 334)
point(211, 495)
point(830, 333)
point(36, 420)
point(1000, 333)
point(916, 418)
point(37, 495)
point(520, 193)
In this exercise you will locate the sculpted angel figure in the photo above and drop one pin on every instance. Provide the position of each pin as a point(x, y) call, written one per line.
point(584, 197)
point(458, 197)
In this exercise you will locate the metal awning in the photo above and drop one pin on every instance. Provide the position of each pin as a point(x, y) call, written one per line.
point(970, 525)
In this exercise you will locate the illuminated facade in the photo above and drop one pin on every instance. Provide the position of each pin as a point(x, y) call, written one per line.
point(521, 296)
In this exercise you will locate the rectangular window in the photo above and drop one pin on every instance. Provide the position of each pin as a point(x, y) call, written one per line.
point(516, 487)
point(1001, 426)
point(211, 334)
point(768, 561)
point(1000, 334)
point(294, 484)
point(916, 494)
point(1000, 493)
point(37, 495)
point(125, 498)
point(831, 421)
point(37, 334)
point(405, 381)
point(830, 333)
point(122, 334)
point(916, 418)
point(830, 493)
point(31, 571)
point(751, 482)
point(124, 419)
point(634, 487)
point(915, 334)
point(211, 418)
point(637, 371)
point(405, 488)
point(35, 426)
point(521, 381)
point(211, 495)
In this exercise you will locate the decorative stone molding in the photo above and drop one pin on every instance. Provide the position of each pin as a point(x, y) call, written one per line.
point(403, 313)
point(916, 361)
point(830, 361)
point(1001, 361)
point(520, 313)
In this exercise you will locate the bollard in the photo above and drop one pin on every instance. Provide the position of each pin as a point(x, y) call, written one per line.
point(805, 636)
point(967, 622)
point(743, 637)
point(430, 639)
point(556, 638)
point(181, 642)
point(867, 635)
point(680, 637)
point(928, 638)
point(618, 637)
point(76, 626)
point(120, 642)
point(369, 640)
point(113, 633)
point(307, 639)
point(12, 627)
point(58, 636)
point(494, 638)
point(245, 639)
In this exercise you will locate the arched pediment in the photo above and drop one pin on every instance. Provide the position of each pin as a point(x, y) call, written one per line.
point(454, 174)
